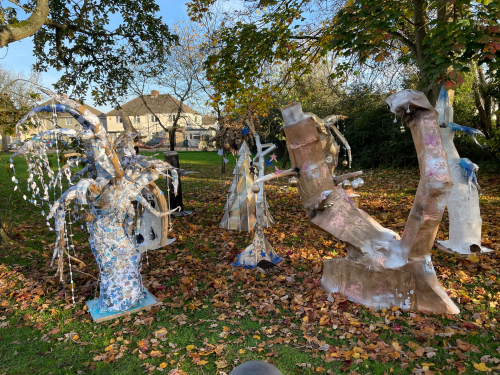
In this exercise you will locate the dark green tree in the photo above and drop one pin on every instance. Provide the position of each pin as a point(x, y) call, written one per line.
point(94, 43)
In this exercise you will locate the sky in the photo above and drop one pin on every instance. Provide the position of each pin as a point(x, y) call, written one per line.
point(19, 55)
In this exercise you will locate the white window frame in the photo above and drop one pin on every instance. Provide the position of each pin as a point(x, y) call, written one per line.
point(68, 121)
point(136, 119)
point(118, 119)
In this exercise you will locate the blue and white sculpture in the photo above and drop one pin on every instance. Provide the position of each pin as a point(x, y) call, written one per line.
point(117, 186)
point(463, 202)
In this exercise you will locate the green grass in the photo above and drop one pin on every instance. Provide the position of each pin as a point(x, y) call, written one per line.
point(237, 315)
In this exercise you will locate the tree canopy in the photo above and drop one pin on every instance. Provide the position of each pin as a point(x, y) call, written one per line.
point(286, 38)
point(94, 43)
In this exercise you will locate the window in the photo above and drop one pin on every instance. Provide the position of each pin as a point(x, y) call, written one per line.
point(154, 118)
point(118, 119)
point(195, 136)
point(69, 121)
point(170, 118)
point(136, 119)
point(195, 118)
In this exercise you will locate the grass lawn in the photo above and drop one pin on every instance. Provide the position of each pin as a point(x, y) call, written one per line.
point(215, 316)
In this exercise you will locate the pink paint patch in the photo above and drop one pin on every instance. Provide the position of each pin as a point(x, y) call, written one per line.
point(396, 328)
point(355, 292)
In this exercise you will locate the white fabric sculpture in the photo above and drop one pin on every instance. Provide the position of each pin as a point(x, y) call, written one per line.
point(463, 203)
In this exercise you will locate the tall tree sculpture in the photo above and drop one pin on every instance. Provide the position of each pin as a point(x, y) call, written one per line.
point(381, 269)
point(116, 178)
point(241, 213)
point(463, 203)
point(260, 249)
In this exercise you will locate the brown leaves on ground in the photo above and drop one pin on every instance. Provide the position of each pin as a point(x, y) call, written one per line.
point(289, 308)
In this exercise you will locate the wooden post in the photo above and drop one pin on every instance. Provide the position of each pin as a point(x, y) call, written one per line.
point(172, 157)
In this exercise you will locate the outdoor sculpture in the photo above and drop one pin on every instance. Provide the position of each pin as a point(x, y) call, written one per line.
point(119, 186)
point(325, 127)
point(381, 269)
point(260, 249)
point(463, 203)
point(241, 213)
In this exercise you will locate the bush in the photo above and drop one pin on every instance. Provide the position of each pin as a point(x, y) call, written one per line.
point(375, 140)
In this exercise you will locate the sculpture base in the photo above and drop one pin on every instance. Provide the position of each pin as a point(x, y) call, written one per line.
point(101, 316)
point(414, 286)
point(445, 246)
point(259, 249)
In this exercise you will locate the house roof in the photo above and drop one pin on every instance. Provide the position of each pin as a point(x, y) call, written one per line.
point(91, 109)
point(162, 103)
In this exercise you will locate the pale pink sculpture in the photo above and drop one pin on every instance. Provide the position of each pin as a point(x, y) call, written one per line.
point(381, 269)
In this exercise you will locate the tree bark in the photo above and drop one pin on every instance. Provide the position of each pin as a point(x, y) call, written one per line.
point(483, 104)
point(171, 136)
point(285, 157)
point(20, 30)
point(4, 238)
point(5, 141)
point(223, 168)
point(420, 21)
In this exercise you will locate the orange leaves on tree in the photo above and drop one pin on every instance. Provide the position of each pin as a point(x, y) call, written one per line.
point(449, 85)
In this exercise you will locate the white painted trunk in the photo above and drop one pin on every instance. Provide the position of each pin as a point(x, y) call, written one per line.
point(463, 206)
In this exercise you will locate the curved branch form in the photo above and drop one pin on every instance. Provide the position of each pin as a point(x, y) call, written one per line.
point(148, 207)
point(78, 192)
point(80, 108)
point(344, 141)
point(272, 176)
point(471, 131)
point(435, 178)
point(59, 108)
point(17, 31)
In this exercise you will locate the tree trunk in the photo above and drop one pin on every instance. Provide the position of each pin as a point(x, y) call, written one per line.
point(171, 136)
point(5, 141)
point(285, 157)
point(223, 168)
point(483, 104)
point(420, 21)
point(445, 13)
point(4, 238)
